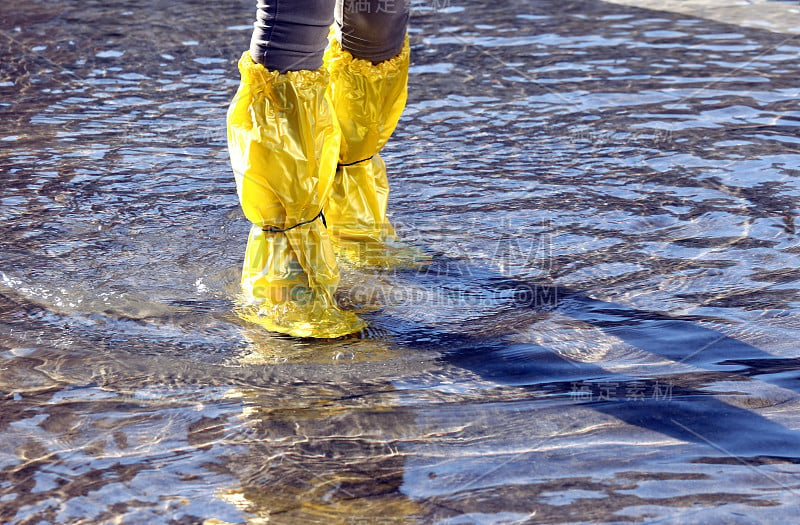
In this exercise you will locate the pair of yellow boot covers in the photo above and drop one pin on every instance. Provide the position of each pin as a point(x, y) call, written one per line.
point(304, 151)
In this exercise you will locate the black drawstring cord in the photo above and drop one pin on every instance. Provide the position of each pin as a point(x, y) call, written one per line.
point(275, 229)
point(354, 163)
point(320, 215)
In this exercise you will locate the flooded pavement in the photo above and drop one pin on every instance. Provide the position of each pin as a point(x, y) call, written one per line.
point(607, 333)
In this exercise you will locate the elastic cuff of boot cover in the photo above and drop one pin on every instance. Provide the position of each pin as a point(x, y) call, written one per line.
point(256, 75)
point(337, 58)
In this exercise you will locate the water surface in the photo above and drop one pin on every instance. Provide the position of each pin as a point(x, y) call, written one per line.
point(607, 333)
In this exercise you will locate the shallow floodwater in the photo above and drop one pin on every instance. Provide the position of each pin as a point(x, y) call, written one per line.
point(608, 331)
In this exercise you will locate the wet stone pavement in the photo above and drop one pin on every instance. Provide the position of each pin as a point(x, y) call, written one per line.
point(607, 333)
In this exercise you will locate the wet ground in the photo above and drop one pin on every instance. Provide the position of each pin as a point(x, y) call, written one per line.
point(608, 332)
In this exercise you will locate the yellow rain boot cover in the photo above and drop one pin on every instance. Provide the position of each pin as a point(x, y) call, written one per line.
point(283, 143)
point(368, 100)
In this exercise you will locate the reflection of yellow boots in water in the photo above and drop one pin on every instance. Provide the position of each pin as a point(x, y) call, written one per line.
point(367, 100)
point(283, 143)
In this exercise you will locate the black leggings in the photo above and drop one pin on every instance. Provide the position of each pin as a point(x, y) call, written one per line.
point(290, 35)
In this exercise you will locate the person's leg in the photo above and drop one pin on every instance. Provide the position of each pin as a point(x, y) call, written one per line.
point(368, 62)
point(372, 30)
point(283, 141)
point(291, 35)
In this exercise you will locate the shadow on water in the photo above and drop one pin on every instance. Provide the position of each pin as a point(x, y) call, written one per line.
point(667, 404)
point(359, 441)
